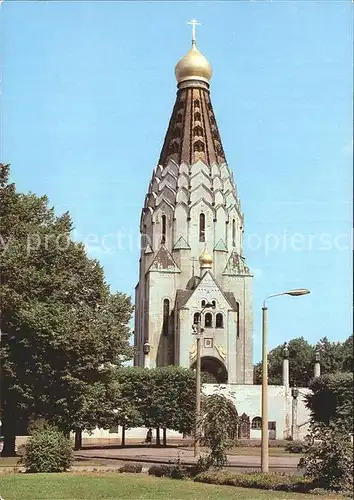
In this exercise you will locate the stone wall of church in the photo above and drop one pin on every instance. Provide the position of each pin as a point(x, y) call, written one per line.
point(247, 399)
point(243, 354)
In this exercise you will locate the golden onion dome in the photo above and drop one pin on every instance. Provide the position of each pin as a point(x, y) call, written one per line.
point(205, 260)
point(193, 66)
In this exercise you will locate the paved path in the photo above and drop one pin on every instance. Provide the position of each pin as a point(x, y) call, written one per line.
point(169, 455)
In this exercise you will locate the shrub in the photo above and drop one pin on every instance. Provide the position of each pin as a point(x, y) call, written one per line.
point(265, 481)
point(295, 447)
point(133, 468)
point(159, 470)
point(177, 471)
point(329, 462)
point(47, 450)
point(256, 443)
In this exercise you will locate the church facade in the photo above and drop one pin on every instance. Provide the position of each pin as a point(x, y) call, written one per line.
point(192, 267)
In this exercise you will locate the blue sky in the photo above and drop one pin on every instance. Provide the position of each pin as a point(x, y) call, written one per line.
point(87, 93)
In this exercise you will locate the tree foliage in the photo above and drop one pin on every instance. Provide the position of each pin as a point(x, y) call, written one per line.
point(301, 358)
point(156, 398)
point(219, 425)
point(334, 357)
point(331, 400)
point(60, 322)
point(328, 461)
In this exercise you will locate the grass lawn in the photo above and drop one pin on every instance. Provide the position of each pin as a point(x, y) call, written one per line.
point(76, 486)
point(13, 462)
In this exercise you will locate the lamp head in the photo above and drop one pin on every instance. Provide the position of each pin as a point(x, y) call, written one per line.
point(297, 292)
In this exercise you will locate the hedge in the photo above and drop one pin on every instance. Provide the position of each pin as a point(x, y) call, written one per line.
point(265, 481)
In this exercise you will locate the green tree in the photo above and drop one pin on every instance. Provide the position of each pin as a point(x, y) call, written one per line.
point(328, 459)
point(331, 400)
point(61, 324)
point(332, 355)
point(160, 398)
point(173, 392)
point(219, 426)
point(301, 360)
point(348, 364)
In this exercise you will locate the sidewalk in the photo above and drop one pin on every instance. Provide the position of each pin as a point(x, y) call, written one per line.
point(168, 455)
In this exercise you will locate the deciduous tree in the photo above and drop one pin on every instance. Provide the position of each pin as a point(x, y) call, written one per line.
point(60, 322)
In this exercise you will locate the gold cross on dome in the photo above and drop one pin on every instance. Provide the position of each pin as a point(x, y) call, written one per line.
point(193, 23)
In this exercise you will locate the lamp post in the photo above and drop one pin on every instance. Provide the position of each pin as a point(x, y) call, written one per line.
point(264, 431)
point(198, 381)
point(294, 394)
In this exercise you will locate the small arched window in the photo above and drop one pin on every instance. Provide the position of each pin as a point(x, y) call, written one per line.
point(213, 303)
point(198, 146)
point(196, 103)
point(197, 116)
point(198, 131)
point(256, 423)
point(163, 229)
point(196, 318)
point(233, 233)
point(166, 315)
point(237, 320)
point(219, 321)
point(201, 227)
point(208, 320)
point(203, 303)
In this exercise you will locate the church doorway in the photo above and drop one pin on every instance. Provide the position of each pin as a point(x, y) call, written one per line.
point(213, 371)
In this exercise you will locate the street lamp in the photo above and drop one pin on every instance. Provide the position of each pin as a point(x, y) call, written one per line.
point(264, 432)
point(198, 381)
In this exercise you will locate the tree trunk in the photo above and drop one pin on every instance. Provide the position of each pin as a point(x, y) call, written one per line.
point(9, 432)
point(8, 449)
point(78, 439)
point(164, 436)
point(158, 441)
point(123, 435)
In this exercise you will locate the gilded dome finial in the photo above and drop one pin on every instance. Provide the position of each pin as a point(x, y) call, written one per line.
point(193, 66)
point(205, 260)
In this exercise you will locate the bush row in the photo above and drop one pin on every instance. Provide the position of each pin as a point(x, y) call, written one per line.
point(256, 443)
point(295, 447)
point(132, 468)
point(265, 481)
point(177, 471)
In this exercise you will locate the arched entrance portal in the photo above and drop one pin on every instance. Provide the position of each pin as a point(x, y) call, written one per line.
point(213, 370)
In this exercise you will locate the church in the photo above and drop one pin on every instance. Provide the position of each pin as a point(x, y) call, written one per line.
point(191, 231)
point(193, 270)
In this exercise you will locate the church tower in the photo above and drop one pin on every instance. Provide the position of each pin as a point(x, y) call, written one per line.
point(191, 230)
